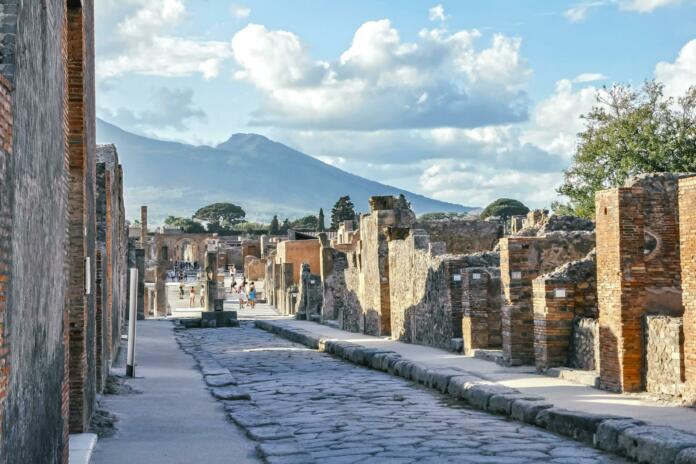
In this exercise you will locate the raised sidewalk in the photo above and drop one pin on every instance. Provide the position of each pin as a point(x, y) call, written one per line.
point(630, 425)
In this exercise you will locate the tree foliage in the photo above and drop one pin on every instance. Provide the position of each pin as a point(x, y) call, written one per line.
point(504, 208)
point(321, 222)
point(441, 216)
point(343, 210)
point(186, 225)
point(307, 222)
point(630, 132)
point(221, 214)
point(274, 228)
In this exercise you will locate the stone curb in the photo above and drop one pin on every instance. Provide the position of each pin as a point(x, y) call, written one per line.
point(620, 435)
point(274, 444)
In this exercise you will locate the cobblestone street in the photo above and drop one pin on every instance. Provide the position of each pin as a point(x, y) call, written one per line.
point(307, 405)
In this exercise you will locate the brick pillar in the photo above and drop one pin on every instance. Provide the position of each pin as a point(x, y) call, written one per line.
point(143, 226)
point(687, 228)
point(140, 264)
point(517, 317)
point(5, 234)
point(475, 307)
point(553, 321)
point(621, 276)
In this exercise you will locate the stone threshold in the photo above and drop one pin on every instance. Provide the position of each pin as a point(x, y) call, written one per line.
point(81, 447)
point(624, 436)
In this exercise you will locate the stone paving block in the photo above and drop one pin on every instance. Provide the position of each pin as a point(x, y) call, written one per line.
point(501, 403)
point(439, 378)
point(479, 394)
point(458, 386)
point(390, 361)
point(654, 444)
point(301, 458)
point(419, 373)
point(526, 411)
point(268, 432)
point(609, 431)
point(213, 369)
point(250, 418)
point(280, 448)
point(230, 393)
point(220, 380)
point(581, 426)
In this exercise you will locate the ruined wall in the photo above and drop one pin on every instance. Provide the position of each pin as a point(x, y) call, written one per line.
point(559, 298)
point(664, 363)
point(584, 349)
point(639, 271)
point(33, 177)
point(687, 240)
point(522, 259)
point(463, 236)
point(309, 297)
point(297, 252)
point(254, 268)
point(481, 302)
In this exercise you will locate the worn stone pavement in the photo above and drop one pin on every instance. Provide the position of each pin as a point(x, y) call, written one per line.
point(307, 406)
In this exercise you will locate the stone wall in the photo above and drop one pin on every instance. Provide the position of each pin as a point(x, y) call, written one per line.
point(559, 298)
point(481, 302)
point(309, 297)
point(463, 236)
point(254, 268)
point(522, 259)
point(297, 252)
point(664, 363)
point(584, 349)
point(639, 271)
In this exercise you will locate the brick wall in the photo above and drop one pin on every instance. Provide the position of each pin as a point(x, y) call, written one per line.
point(522, 259)
point(687, 228)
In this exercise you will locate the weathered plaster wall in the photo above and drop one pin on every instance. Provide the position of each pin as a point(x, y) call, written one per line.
point(297, 252)
point(34, 177)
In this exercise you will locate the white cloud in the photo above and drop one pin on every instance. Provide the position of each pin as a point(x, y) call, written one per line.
point(437, 13)
point(240, 11)
point(578, 13)
point(588, 77)
point(646, 6)
point(141, 41)
point(381, 82)
point(556, 119)
point(681, 74)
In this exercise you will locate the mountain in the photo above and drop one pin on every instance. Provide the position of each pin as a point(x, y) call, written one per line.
point(262, 176)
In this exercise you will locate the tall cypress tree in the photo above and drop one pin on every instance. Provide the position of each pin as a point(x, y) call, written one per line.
point(320, 226)
point(343, 210)
point(275, 227)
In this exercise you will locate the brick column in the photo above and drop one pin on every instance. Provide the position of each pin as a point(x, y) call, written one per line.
point(687, 228)
point(475, 307)
point(621, 276)
point(517, 319)
point(143, 226)
point(554, 302)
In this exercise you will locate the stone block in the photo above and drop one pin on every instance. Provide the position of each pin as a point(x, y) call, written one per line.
point(479, 394)
point(501, 403)
point(609, 431)
point(230, 393)
point(220, 380)
point(527, 411)
point(580, 426)
point(654, 444)
point(268, 432)
point(687, 456)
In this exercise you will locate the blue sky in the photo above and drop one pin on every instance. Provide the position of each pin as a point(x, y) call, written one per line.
point(464, 101)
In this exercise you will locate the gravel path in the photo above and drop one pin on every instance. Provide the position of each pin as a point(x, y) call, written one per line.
point(305, 403)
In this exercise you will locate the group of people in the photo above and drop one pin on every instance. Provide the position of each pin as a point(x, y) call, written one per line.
point(245, 292)
point(192, 294)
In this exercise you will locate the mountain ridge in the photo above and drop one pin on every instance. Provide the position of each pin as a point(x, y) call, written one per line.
point(263, 176)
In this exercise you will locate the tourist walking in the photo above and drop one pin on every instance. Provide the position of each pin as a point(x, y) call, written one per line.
point(202, 296)
point(242, 296)
point(181, 291)
point(252, 295)
point(192, 297)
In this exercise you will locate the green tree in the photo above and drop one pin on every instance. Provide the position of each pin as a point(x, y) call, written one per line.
point(307, 222)
point(186, 225)
point(441, 216)
point(343, 210)
point(504, 208)
point(630, 132)
point(321, 222)
point(285, 226)
point(221, 215)
point(274, 228)
point(402, 203)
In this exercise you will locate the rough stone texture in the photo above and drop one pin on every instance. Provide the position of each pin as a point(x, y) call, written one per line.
point(559, 298)
point(584, 349)
point(687, 237)
point(539, 223)
point(522, 259)
point(639, 271)
point(463, 236)
point(310, 297)
point(664, 365)
point(32, 263)
point(254, 268)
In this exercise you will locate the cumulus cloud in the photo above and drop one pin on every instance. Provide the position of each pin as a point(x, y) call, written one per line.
point(437, 13)
point(381, 82)
point(167, 109)
point(578, 13)
point(589, 77)
point(681, 74)
point(143, 42)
